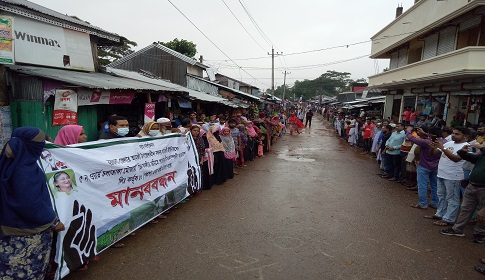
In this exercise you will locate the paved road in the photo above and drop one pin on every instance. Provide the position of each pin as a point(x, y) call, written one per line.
point(311, 209)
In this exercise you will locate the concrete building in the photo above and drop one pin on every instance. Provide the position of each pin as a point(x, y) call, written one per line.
point(436, 53)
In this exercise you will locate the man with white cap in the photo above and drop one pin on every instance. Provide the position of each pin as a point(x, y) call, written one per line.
point(165, 125)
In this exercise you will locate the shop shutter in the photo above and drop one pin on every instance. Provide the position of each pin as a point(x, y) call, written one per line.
point(470, 23)
point(403, 57)
point(394, 60)
point(430, 46)
point(447, 40)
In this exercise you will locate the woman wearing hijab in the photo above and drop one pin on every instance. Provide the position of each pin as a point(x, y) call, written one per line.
point(201, 146)
point(253, 140)
point(27, 218)
point(150, 129)
point(219, 175)
point(70, 134)
point(229, 151)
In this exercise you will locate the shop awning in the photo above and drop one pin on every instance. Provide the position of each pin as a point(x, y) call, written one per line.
point(92, 80)
point(235, 91)
point(193, 94)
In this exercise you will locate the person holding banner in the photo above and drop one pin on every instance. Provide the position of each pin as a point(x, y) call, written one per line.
point(118, 128)
point(165, 125)
point(27, 218)
point(70, 134)
point(149, 129)
point(186, 126)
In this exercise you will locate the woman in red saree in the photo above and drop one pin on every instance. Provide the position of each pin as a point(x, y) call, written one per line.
point(295, 124)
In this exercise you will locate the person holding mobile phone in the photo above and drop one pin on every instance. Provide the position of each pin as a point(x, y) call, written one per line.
point(450, 174)
point(427, 170)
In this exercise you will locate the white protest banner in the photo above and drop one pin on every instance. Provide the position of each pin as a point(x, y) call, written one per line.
point(65, 107)
point(104, 190)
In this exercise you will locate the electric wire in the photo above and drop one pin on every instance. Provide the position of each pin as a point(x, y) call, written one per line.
point(240, 23)
point(268, 41)
point(325, 49)
point(295, 68)
point(212, 42)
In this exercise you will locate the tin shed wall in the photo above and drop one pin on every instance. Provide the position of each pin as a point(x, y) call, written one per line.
point(159, 63)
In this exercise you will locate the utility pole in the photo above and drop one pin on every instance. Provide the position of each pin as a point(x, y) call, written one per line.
point(272, 67)
point(284, 88)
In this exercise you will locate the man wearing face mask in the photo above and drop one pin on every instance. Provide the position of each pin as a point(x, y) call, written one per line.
point(118, 128)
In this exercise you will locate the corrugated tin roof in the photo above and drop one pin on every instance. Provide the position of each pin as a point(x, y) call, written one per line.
point(191, 61)
point(139, 77)
point(229, 89)
point(46, 11)
point(89, 79)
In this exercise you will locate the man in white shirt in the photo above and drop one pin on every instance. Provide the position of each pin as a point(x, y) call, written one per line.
point(450, 174)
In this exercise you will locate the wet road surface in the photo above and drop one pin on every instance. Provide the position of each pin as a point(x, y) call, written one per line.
point(311, 209)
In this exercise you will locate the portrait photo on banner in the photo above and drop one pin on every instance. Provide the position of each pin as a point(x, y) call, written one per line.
point(63, 181)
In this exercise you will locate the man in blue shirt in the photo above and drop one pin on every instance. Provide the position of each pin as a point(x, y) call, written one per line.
point(393, 151)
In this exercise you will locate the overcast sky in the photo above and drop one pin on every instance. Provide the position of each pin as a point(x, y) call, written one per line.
point(292, 26)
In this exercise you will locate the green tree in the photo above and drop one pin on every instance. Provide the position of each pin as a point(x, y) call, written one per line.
point(330, 83)
point(108, 54)
point(183, 46)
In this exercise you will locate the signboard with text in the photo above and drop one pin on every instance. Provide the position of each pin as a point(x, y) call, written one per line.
point(65, 108)
point(149, 112)
point(50, 45)
point(6, 40)
point(88, 97)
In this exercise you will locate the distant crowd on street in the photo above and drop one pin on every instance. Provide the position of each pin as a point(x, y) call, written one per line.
point(444, 165)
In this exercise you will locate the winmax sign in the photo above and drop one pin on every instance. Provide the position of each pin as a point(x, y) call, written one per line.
point(19, 35)
point(43, 44)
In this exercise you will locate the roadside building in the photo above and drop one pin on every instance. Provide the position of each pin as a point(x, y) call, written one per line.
point(436, 53)
point(164, 63)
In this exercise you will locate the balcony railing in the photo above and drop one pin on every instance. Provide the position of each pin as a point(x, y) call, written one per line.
point(462, 62)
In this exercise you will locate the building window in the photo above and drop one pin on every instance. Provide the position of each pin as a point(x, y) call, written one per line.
point(415, 55)
point(447, 40)
point(468, 34)
point(430, 46)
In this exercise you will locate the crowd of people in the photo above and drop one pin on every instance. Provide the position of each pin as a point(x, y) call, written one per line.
point(444, 165)
point(27, 217)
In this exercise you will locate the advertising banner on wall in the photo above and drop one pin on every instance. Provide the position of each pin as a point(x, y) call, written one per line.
point(102, 196)
point(6, 42)
point(50, 45)
point(90, 97)
point(121, 97)
point(149, 112)
point(65, 108)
